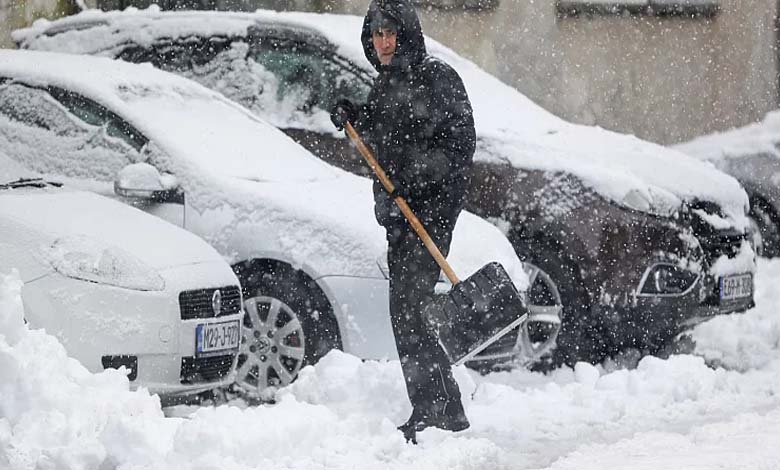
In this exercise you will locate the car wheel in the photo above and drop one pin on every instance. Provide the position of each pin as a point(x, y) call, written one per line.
point(577, 338)
point(534, 337)
point(287, 325)
point(765, 231)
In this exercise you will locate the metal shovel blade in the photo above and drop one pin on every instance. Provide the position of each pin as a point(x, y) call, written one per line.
point(476, 312)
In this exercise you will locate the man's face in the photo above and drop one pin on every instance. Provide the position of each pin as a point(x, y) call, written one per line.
point(385, 42)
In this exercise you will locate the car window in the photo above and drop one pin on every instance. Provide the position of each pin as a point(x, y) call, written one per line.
point(306, 76)
point(179, 56)
point(48, 137)
point(34, 107)
point(96, 115)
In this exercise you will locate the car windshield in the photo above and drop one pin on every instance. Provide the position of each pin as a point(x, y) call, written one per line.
point(219, 136)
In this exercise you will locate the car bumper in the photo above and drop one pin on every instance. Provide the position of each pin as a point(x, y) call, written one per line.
point(104, 326)
point(651, 321)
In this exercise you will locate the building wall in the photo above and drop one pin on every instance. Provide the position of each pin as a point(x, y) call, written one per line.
point(16, 14)
point(664, 79)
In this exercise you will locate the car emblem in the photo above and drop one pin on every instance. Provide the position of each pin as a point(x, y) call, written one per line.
point(216, 302)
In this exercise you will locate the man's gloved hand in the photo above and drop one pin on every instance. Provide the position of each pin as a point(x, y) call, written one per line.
point(343, 111)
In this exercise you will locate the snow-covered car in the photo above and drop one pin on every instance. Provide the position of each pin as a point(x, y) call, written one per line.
point(640, 241)
point(751, 154)
point(299, 233)
point(119, 287)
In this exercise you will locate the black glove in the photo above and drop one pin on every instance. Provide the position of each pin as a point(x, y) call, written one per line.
point(343, 111)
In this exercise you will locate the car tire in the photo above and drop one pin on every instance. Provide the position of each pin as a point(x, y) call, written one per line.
point(533, 339)
point(579, 338)
point(288, 324)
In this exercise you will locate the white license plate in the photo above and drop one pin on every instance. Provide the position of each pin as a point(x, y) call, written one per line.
point(213, 337)
point(736, 287)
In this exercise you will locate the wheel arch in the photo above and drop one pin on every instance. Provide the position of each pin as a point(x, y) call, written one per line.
point(324, 302)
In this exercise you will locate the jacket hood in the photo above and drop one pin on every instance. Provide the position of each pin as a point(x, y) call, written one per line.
point(411, 44)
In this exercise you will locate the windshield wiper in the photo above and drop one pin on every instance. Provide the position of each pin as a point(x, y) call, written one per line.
point(29, 183)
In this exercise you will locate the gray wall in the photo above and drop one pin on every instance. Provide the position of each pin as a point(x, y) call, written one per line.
point(664, 79)
point(16, 14)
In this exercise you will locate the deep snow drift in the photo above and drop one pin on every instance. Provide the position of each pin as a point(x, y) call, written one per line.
point(676, 413)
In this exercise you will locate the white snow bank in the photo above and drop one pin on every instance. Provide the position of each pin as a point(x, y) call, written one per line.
point(750, 341)
point(54, 414)
point(342, 413)
point(747, 442)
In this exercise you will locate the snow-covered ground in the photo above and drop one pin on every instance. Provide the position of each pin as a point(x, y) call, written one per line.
point(716, 410)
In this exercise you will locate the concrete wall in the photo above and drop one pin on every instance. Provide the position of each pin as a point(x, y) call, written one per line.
point(664, 79)
point(16, 14)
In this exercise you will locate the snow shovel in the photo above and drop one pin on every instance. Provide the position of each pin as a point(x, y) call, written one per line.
point(477, 311)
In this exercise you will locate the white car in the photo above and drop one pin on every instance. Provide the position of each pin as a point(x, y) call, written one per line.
point(118, 287)
point(299, 233)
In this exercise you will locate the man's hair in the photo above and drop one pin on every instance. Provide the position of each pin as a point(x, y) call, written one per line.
point(381, 20)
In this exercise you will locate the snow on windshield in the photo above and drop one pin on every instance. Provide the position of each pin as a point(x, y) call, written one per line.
point(670, 413)
point(10, 170)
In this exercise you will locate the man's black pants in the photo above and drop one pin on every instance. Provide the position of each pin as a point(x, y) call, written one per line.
point(413, 275)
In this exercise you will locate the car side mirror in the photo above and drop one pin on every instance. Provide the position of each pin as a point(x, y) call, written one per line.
point(143, 181)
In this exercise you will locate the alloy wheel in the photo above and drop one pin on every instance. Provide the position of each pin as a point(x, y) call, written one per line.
point(538, 334)
point(272, 346)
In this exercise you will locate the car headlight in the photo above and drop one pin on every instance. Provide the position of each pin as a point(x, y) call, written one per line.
point(90, 260)
point(667, 279)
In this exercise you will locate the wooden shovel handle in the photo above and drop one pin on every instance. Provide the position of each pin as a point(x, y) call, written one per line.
point(402, 204)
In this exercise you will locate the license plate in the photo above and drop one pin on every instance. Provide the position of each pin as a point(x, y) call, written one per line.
point(736, 287)
point(214, 337)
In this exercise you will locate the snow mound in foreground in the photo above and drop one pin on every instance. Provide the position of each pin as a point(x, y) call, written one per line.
point(343, 412)
point(746, 341)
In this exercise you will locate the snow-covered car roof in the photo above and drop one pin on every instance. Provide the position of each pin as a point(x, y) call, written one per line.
point(319, 215)
point(510, 127)
point(760, 138)
point(151, 100)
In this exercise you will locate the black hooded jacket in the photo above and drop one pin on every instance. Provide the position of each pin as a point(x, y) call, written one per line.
point(419, 121)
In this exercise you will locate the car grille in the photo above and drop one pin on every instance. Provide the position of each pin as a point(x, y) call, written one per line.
point(205, 369)
point(198, 303)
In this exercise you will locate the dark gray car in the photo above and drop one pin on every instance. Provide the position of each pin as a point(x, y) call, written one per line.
point(751, 154)
point(639, 242)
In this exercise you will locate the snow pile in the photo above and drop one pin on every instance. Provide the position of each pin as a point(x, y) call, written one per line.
point(55, 414)
point(342, 413)
point(750, 341)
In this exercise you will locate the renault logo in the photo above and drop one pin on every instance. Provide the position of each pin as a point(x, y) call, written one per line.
point(216, 302)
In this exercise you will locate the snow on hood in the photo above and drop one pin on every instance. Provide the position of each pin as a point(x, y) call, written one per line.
point(70, 219)
point(754, 139)
point(510, 127)
point(153, 100)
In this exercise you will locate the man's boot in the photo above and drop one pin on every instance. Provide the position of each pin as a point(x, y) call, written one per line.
point(454, 418)
point(448, 416)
